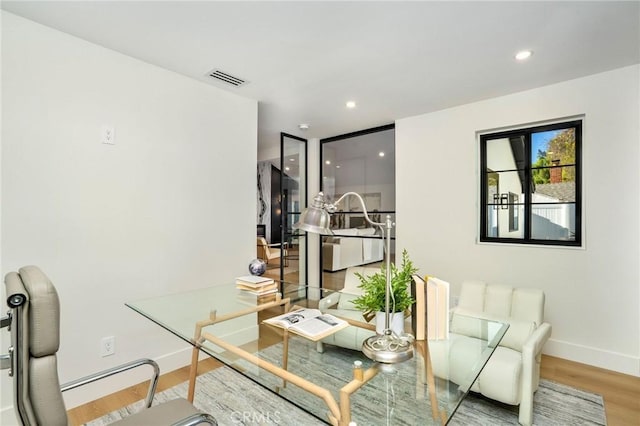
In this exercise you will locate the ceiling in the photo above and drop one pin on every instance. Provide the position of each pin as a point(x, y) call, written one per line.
point(303, 60)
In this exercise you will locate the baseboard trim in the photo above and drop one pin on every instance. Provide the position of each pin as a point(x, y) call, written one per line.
point(614, 361)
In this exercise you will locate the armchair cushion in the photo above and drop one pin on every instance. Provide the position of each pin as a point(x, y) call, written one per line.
point(501, 377)
point(515, 337)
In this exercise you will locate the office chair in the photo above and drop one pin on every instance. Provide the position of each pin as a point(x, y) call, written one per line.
point(34, 320)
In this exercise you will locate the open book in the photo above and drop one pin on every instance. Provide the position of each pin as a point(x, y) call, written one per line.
point(310, 323)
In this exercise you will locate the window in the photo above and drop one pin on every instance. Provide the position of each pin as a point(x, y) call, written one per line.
point(531, 185)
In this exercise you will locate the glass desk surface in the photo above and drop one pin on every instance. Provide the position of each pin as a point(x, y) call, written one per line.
point(427, 389)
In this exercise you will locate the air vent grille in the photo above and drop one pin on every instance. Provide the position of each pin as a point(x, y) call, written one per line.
point(227, 78)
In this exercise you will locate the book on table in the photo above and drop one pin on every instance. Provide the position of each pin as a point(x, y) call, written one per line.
point(253, 298)
point(254, 281)
point(256, 285)
point(309, 323)
point(430, 316)
point(265, 289)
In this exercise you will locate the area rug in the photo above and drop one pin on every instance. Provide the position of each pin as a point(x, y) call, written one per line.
point(234, 399)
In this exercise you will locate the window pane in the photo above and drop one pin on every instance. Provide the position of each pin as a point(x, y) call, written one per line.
point(506, 154)
point(364, 164)
point(560, 188)
point(553, 221)
point(506, 221)
point(500, 184)
point(552, 148)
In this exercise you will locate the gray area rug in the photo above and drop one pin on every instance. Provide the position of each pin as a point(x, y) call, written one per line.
point(234, 399)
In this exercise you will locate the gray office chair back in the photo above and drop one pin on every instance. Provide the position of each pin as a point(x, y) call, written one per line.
point(36, 339)
point(34, 319)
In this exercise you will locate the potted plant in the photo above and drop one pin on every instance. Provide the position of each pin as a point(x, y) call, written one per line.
point(372, 301)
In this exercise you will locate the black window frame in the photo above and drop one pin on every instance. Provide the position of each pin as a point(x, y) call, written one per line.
point(527, 203)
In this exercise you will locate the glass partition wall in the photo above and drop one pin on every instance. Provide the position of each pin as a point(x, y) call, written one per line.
point(361, 162)
point(293, 199)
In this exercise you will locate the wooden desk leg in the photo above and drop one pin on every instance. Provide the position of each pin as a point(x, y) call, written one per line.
point(195, 352)
point(193, 373)
point(423, 348)
point(360, 378)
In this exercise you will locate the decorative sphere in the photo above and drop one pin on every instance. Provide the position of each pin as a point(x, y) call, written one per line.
point(257, 267)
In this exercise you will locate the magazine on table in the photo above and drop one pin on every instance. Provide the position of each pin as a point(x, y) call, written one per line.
point(309, 323)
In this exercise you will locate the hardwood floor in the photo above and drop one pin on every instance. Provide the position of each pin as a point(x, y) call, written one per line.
point(621, 392)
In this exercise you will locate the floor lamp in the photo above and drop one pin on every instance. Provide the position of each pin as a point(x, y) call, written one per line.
point(387, 347)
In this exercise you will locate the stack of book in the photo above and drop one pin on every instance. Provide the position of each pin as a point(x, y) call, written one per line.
point(257, 289)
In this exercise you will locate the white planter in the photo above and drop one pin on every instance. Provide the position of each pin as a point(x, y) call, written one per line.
point(396, 322)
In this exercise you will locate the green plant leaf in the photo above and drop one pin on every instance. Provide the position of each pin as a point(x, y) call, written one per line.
point(373, 288)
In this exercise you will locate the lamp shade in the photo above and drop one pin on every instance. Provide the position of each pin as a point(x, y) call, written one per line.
point(314, 219)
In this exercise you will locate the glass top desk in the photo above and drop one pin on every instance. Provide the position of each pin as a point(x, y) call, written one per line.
point(427, 389)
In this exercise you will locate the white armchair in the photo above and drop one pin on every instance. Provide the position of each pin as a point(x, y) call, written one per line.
point(512, 374)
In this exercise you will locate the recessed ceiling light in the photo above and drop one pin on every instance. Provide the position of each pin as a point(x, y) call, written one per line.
point(327, 162)
point(523, 54)
point(351, 104)
point(303, 126)
point(381, 154)
point(292, 159)
point(286, 168)
point(337, 167)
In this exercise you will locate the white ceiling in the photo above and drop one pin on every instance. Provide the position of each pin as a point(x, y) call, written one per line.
point(304, 60)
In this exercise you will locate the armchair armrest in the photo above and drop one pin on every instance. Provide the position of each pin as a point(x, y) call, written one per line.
point(120, 369)
point(531, 351)
point(535, 342)
point(284, 245)
point(329, 301)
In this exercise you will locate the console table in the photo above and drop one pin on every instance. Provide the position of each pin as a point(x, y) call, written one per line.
point(337, 386)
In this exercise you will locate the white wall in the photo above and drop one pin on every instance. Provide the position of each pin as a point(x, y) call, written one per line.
point(153, 214)
point(593, 293)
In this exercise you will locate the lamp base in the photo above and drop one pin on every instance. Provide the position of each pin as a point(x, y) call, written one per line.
point(388, 348)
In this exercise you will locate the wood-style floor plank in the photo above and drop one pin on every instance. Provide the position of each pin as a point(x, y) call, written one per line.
point(621, 392)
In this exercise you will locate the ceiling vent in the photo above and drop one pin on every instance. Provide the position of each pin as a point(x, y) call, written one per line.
point(227, 78)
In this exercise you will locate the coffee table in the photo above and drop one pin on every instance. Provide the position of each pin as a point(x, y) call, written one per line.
point(331, 385)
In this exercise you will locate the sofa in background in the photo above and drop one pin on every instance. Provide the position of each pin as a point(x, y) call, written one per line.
point(341, 253)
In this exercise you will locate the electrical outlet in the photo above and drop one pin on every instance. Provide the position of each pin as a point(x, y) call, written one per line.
point(108, 135)
point(107, 346)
